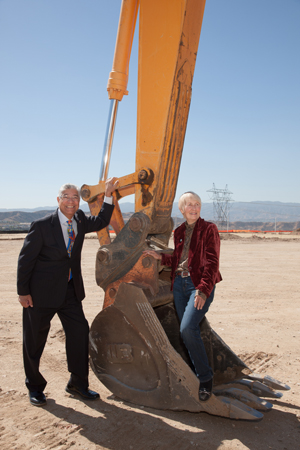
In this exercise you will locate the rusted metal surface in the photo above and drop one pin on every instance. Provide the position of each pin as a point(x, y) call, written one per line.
point(135, 344)
point(95, 207)
point(226, 365)
point(132, 356)
point(116, 222)
point(143, 274)
point(118, 258)
point(126, 187)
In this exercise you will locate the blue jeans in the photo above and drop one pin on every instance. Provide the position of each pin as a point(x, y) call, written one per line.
point(190, 318)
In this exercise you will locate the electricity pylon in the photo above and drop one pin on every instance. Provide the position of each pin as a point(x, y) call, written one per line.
point(221, 199)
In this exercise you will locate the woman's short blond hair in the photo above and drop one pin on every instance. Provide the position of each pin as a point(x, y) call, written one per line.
point(184, 198)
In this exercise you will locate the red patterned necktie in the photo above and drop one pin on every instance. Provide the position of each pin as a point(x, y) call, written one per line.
point(71, 234)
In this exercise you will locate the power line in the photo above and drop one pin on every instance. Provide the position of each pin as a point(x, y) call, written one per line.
point(221, 199)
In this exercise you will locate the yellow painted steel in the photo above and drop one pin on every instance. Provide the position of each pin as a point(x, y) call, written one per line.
point(169, 32)
point(118, 77)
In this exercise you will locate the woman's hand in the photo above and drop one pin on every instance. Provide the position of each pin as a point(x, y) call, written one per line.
point(153, 253)
point(199, 302)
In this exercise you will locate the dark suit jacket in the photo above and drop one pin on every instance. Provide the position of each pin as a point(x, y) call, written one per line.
point(43, 265)
point(204, 253)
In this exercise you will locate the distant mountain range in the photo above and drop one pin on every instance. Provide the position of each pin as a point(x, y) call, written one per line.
point(239, 211)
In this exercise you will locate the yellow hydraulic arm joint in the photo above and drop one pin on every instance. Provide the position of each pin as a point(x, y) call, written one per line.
point(169, 34)
point(126, 185)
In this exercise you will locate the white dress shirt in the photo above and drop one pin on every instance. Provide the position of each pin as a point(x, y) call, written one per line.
point(64, 221)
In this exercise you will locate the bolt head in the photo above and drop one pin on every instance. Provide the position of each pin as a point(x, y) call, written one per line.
point(112, 292)
point(103, 256)
point(143, 175)
point(135, 224)
point(146, 262)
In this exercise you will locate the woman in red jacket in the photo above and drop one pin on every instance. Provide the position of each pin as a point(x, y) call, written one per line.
point(195, 272)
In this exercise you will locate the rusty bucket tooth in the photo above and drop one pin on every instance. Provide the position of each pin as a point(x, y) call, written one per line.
point(269, 381)
point(239, 411)
point(256, 387)
point(131, 355)
point(245, 397)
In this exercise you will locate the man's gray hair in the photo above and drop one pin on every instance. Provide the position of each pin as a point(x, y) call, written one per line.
point(68, 186)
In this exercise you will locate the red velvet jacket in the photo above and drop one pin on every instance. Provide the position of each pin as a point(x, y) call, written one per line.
point(204, 253)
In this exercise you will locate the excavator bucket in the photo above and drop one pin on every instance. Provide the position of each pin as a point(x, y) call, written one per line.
point(132, 356)
point(135, 345)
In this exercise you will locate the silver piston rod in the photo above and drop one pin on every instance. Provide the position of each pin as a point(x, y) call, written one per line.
point(110, 129)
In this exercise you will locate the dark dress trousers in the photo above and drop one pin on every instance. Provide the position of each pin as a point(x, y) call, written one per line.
point(43, 270)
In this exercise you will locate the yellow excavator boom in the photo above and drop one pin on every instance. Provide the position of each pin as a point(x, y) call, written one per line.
point(169, 34)
point(135, 348)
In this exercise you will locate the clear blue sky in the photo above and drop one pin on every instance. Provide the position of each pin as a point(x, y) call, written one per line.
point(244, 123)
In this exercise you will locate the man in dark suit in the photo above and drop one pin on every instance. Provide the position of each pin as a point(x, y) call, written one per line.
point(49, 282)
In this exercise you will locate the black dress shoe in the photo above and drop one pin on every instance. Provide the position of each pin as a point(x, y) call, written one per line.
point(37, 398)
point(205, 390)
point(86, 394)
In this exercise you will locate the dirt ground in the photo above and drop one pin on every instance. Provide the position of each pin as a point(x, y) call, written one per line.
point(256, 311)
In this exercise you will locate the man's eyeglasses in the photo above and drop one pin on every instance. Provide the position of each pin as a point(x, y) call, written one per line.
point(66, 198)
